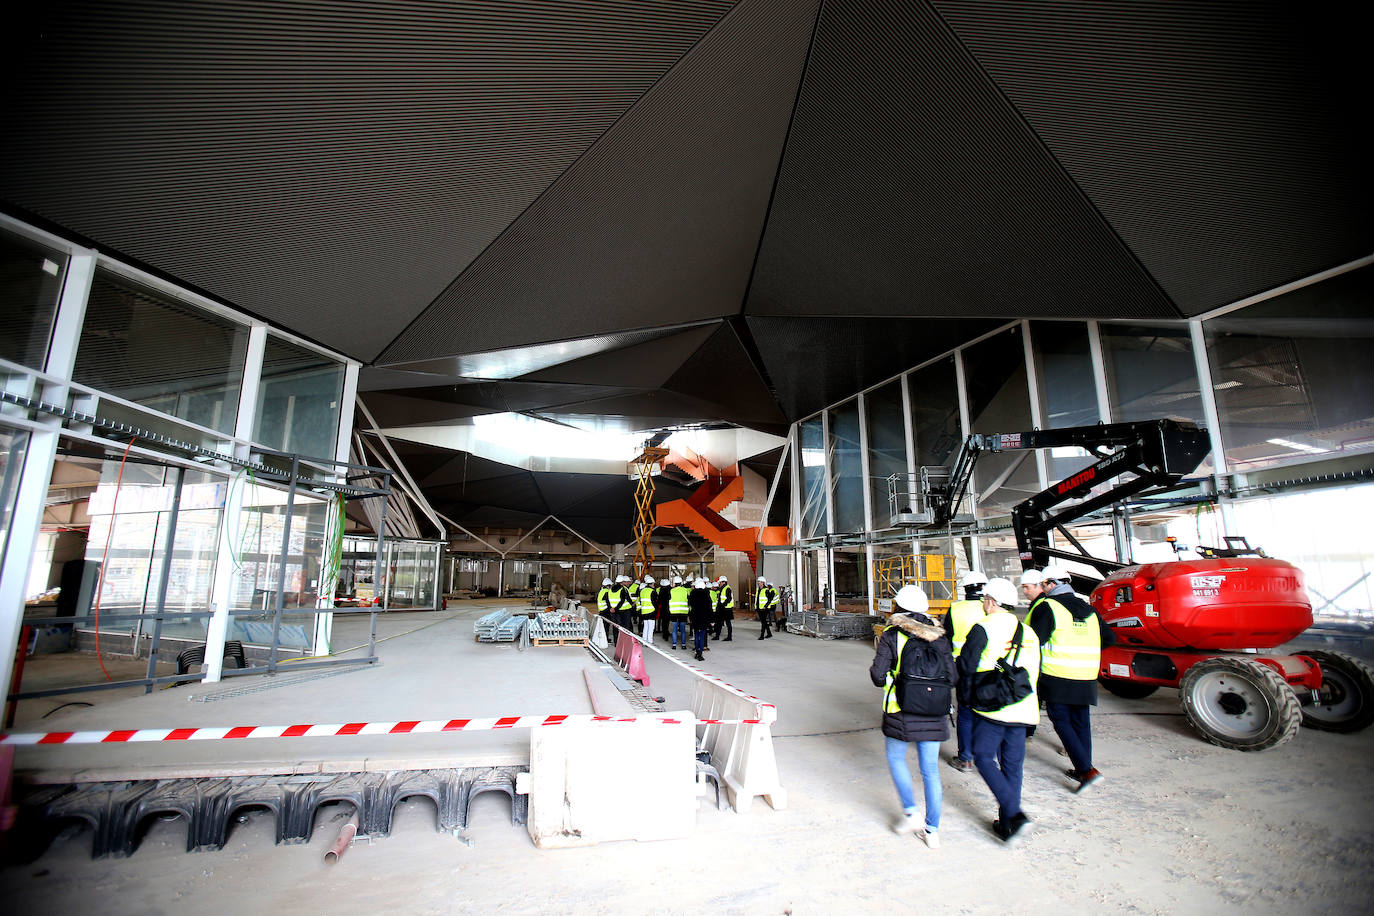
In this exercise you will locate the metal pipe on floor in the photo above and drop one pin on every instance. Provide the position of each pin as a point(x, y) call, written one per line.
point(346, 835)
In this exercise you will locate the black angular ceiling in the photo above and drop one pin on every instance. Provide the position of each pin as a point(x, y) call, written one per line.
point(683, 211)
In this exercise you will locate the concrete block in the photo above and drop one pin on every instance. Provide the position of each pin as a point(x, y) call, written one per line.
point(596, 783)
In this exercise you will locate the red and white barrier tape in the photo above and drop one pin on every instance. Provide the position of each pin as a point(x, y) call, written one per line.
point(700, 673)
point(353, 728)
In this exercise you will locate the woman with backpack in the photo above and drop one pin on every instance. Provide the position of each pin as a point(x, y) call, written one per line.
point(914, 664)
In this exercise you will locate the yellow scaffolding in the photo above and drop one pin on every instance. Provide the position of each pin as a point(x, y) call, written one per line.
point(934, 572)
point(641, 469)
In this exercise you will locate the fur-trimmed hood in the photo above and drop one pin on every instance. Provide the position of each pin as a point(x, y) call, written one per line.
point(920, 626)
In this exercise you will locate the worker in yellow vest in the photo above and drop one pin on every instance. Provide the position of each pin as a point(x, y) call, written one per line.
point(999, 726)
point(645, 599)
point(605, 605)
point(963, 614)
point(1071, 636)
point(765, 601)
point(725, 610)
point(677, 612)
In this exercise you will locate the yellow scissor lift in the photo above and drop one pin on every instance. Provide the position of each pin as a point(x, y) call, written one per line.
point(934, 572)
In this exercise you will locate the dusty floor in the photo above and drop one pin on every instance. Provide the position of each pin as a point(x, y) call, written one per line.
point(1178, 827)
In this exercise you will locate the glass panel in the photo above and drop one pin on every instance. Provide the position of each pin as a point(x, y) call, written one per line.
point(298, 403)
point(999, 402)
point(192, 576)
point(257, 540)
point(851, 581)
point(846, 468)
point(1150, 372)
point(30, 286)
point(126, 511)
point(999, 557)
point(886, 445)
point(1294, 376)
point(13, 444)
point(935, 413)
point(1068, 394)
point(152, 350)
point(813, 478)
point(779, 513)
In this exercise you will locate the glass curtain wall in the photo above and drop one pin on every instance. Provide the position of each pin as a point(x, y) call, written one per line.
point(257, 565)
point(813, 520)
point(31, 278)
point(1294, 375)
point(13, 444)
point(1068, 392)
point(150, 349)
point(935, 413)
point(298, 400)
point(999, 401)
point(846, 468)
point(886, 445)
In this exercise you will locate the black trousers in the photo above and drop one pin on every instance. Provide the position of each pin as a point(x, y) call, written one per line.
point(766, 619)
point(725, 620)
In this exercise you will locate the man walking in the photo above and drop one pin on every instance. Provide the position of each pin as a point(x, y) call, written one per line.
point(962, 616)
point(1071, 637)
point(999, 731)
point(725, 610)
point(765, 599)
point(677, 611)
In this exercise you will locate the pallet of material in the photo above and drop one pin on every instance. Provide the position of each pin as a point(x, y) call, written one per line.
point(555, 641)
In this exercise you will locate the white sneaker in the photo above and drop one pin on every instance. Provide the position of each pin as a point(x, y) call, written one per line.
point(932, 838)
point(908, 824)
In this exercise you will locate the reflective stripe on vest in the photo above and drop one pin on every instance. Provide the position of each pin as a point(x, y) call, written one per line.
point(890, 703)
point(727, 597)
point(768, 598)
point(963, 615)
point(677, 600)
point(1001, 628)
point(1075, 647)
point(603, 599)
point(646, 599)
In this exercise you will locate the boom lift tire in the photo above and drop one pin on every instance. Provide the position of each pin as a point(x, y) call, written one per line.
point(1239, 704)
point(1347, 694)
point(1127, 690)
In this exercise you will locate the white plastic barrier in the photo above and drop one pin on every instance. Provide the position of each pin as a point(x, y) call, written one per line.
point(743, 753)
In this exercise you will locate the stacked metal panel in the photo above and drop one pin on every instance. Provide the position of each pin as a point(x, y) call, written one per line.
point(485, 627)
point(557, 626)
point(832, 626)
point(509, 629)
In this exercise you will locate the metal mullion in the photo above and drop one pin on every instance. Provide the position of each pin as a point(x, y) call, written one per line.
point(167, 558)
point(281, 568)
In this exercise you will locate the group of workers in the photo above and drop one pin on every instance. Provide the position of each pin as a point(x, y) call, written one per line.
point(1059, 648)
point(699, 605)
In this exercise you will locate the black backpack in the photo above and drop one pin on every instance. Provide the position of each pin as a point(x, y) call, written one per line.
point(922, 683)
point(1005, 684)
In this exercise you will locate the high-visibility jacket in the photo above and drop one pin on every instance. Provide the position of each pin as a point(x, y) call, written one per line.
point(1074, 650)
point(768, 598)
point(677, 600)
point(622, 599)
point(1001, 628)
point(646, 600)
point(603, 600)
point(962, 616)
point(726, 601)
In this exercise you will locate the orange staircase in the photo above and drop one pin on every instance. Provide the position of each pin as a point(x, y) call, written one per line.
point(701, 511)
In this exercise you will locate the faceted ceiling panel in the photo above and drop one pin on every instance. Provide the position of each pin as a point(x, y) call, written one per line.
point(1228, 143)
point(910, 186)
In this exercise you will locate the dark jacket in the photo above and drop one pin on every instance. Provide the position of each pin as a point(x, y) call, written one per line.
point(905, 726)
point(700, 608)
point(1052, 689)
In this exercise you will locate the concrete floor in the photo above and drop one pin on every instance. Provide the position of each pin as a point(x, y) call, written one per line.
point(1178, 825)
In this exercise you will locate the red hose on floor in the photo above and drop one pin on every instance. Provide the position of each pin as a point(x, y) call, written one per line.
point(100, 582)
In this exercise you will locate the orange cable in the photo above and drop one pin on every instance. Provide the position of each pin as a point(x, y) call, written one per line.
point(119, 481)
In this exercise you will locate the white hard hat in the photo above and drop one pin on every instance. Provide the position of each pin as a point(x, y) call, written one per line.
point(677, 580)
point(720, 579)
point(1056, 572)
point(763, 580)
point(912, 598)
point(605, 581)
point(699, 583)
point(648, 580)
point(1001, 590)
point(972, 577)
point(1029, 577)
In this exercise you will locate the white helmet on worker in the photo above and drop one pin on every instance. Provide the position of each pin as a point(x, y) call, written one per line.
point(912, 599)
point(720, 579)
point(1002, 591)
point(1029, 577)
point(972, 577)
point(762, 581)
point(1056, 572)
point(677, 580)
point(699, 583)
point(648, 580)
point(605, 581)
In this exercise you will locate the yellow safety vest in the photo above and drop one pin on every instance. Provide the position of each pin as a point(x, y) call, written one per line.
point(603, 599)
point(890, 703)
point(677, 600)
point(1075, 647)
point(963, 615)
point(1000, 629)
point(646, 600)
point(727, 597)
point(768, 598)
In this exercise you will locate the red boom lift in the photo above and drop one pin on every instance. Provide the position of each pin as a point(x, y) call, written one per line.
point(1198, 625)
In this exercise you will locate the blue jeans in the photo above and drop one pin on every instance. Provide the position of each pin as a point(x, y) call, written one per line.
point(928, 756)
point(999, 752)
point(679, 631)
point(1074, 728)
point(699, 639)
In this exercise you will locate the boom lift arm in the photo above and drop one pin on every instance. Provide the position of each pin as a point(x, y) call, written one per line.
point(1158, 452)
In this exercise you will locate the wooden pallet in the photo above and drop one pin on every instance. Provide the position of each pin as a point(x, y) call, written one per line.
point(565, 641)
